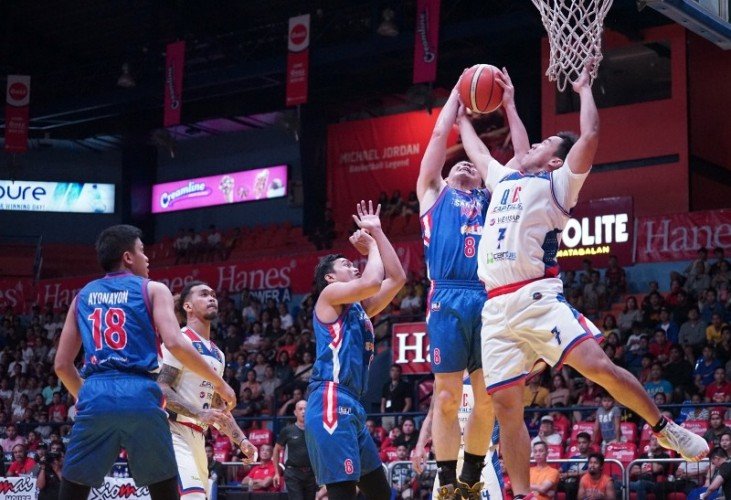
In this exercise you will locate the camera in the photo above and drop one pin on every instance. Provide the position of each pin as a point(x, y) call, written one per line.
point(53, 455)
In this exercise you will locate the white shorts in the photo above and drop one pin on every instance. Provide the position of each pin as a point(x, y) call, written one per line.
point(531, 324)
point(190, 453)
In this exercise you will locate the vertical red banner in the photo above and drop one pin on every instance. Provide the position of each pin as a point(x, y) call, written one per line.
point(174, 64)
point(16, 113)
point(426, 41)
point(298, 59)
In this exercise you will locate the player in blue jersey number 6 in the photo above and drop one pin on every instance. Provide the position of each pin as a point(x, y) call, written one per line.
point(120, 320)
point(341, 450)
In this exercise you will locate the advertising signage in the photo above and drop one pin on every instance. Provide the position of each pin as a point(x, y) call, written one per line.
point(233, 187)
point(36, 196)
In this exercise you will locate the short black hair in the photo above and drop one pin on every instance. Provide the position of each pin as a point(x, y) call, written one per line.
point(184, 296)
point(568, 139)
point(718, 452)
point(113, 242)
point(584, 435)
point(599, 457)
point(323, 268)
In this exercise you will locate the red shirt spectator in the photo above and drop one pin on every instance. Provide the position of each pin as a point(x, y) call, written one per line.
point(261, 477)
point(222, 448)
point(719, 387)
point(57, 412)
point(22, 464)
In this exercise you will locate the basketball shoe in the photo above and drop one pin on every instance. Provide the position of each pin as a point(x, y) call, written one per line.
point(690, 446)
point(467, 492)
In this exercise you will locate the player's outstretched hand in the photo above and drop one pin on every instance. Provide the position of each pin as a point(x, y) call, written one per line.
point(251, 455)
point(227, 394)
point(362, 241)
point(367, 218)
point(584, 79)
point(211, 416)
point(503, 79)
point(418, 458)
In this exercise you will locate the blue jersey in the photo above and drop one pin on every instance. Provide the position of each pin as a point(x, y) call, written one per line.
point(345, 350)
point(451, 230)
point(115, 323)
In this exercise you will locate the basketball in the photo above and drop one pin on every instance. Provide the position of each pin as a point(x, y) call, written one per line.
point(479, 90)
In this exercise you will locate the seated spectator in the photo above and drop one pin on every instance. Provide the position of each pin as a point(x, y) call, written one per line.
point(269, 386)
point(688, 476)
point(409, 434)
point(651, 309)
point(693, 332)
point(283, 369)
point(595, 294)
point(534, 395)
point(612, 339)
point(543, 478)
point(711, 305)
point(610, 325)
point(667, 325)
point(616, 278)
point(630, 314)
point(607, 426)
point(57, 412)
point(719, 387)
point(43, 428)
point(12, 438)
point(304, 369)
point(713, 331)
point(587, 397)
point(214, 244)
point(559, 394)
point(673, 298)
point(644, 477)
point(705, 366)
point(402, 476)
point(656, 383)
point(287, 409)
point(595, 485)
point(716, 428)
point(571, 472)
point(374, 431)
point(246, 407)
point(698, 279)
point(634, 339)
point(546, 433)
point(284, 316)
point(252, 385)
point(569, 281)
point(22, 464)
point(410, 303)
point(719, 461)
point(678, 371)
point(722, 277)
point(660, 347)
point(717, 265)
point(260, 478)
point(181, 246)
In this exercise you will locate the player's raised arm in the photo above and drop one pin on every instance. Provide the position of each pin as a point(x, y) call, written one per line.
point(518, 134)
point(362, 286)
point(368, 220)
point(476, 150)
point(581, 155)
point(430, 172)
point(168, 328)
point(69, 346)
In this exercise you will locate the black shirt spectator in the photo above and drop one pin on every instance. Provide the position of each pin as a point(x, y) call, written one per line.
point(396, 396)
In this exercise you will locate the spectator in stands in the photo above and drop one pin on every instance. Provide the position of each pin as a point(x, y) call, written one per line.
point(284, 316)
point(571, 471)
point(396, 396)
point(410, 303)
point(719, 460)
point(722, 277)
point(287, 409)
point(716, 266)
point(719, 390)
point(615, 278)
point(651, 310)
point(22, 464)
point(402, 477)
point(630, 315)
point(607, 424)
point(375, 432)
point(395, 204)
point(723, 348)
point(716, 428)
point(570, 283)
point(546, 433)
point(612, 339)
point(283, 368)
point(181, 245)
point(246, 407)
point(667, 325)
point(534, 394)
point(48, 477)
point(43, 428)
point(702, 258)
point(216, 470)
point(692, 334)
point(678, 371)
point(698, 279)
point(409, 434)
point(595, 485)
point(20, 407)
point(644, 477)
point(269, 387)
point(559, 394)
point(660, 347)
point(12, 438)
point(705, 366)
point(595, 294)
point(260, 478)
point(197, 248)
point(214, 244)
point(543, 478)
point(411, 206)
point(587, 397)
point(53, 385)
point(17, 361)
point(609, 325)
point(304, 369)
point(688, 476)
point(57, 412)
point(713, 331)
point(252, 384)
point(656, 383)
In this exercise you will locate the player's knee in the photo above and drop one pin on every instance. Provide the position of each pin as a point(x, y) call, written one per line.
point(506, 405)
point(447, 401)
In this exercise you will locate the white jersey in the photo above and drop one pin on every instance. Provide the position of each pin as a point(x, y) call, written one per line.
point(523, 225)
point(191, 387)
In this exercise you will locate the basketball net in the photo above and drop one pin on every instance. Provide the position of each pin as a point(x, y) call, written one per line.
point(574, 29)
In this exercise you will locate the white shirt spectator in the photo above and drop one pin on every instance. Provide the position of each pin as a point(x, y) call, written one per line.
point(214, 238)
point(286, 320)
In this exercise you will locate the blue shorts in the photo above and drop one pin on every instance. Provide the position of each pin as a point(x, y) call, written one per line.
point(454, 322)
point(338, 443)
point(120, 410)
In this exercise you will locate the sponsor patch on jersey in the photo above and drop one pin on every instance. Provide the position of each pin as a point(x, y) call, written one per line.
point(436, 306)
point(345, 410)
point(501, 256)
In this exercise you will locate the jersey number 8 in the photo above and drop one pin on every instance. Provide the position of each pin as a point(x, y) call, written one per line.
point(114, 334)
point(469, 247)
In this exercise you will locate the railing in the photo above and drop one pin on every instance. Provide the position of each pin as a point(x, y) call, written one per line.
point(626, 473)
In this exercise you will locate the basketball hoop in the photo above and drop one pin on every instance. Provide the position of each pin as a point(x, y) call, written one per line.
point(574, 29)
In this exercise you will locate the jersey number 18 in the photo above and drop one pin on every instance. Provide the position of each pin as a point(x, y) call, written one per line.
point(114, 334)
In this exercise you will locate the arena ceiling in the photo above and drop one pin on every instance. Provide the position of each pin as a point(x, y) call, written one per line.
point(236, 52)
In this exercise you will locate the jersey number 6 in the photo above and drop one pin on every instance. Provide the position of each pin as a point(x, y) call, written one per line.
point(114, 334)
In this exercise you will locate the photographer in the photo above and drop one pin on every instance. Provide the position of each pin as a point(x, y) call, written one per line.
point(49, 475)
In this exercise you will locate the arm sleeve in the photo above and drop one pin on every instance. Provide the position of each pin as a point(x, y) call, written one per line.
point(282, 437)
point(495, 172)
point(565, 187)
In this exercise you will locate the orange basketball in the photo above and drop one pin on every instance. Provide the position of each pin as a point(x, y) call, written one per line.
point(479, 90)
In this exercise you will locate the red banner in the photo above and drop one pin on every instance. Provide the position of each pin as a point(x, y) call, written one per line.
point(410, 344)
point(14, 292)
point(679, 236)
point(298, 59)
point(174, 65)
point(597, 229)
point(295, 273)
point(367, 157)
point(426, 41)
point(16, 113)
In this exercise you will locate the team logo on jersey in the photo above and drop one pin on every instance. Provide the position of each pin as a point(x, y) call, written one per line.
point(510, 201)
point(471, 229)
point(344, 410)
point(435, 306)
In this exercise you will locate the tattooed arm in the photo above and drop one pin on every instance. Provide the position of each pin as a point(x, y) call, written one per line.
point(231, 429)
point(168, 380)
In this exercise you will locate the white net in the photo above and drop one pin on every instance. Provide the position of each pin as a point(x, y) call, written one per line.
point(574, 30)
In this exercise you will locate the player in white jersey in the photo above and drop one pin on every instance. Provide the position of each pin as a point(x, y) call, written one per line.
point(526, 317)
point(191, 402)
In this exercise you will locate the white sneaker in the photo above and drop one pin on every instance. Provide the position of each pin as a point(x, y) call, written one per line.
point(690, 446)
